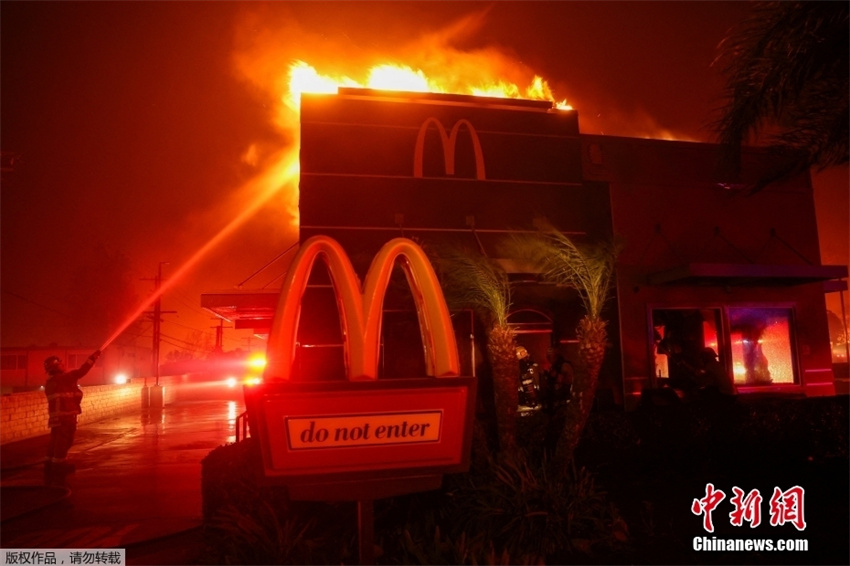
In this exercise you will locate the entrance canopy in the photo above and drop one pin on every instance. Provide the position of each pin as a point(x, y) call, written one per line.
point(746, 274)
point(250, 308)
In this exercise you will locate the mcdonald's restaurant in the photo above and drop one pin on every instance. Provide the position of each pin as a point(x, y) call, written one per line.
point(703, 263)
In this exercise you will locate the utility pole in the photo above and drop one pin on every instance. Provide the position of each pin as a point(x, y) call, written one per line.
point(219, 336)
point(157, 320)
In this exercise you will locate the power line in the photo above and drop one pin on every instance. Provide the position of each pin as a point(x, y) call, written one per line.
point(269, 263)
point(21, 297)
point(188, 303)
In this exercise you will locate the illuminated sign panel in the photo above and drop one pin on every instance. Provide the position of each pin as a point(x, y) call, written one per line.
point(334, 428)
point(311, 433)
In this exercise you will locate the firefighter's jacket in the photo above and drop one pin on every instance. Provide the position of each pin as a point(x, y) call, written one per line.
point(528, 383)
point(64, 397)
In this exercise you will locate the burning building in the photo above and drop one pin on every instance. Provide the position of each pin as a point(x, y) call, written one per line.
point(705, 265)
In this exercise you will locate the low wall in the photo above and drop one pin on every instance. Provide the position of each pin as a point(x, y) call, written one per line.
point(24, 415)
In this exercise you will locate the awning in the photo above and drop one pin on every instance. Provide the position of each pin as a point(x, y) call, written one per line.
point(250, 308)
point(746, 274)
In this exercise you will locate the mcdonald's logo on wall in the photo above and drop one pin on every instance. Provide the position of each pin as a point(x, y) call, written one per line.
point(344, 431)
point(449, 145)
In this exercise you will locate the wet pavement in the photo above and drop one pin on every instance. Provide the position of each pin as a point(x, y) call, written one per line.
point(137, 484)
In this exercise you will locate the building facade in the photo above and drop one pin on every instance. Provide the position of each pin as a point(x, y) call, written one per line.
point(22, 369)
point(706, 264)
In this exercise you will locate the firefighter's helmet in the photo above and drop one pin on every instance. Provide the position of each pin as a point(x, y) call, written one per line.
point(521, 353)
point(52, 363)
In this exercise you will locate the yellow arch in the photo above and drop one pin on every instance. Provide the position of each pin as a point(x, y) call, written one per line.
point(449, 142)
point(361, 312)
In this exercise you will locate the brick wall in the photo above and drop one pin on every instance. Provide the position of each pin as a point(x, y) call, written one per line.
point(24, 415)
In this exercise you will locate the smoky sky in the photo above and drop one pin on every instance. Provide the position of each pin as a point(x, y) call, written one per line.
point(132, 120)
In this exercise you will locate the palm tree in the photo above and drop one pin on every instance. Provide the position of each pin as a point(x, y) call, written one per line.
point(787, 74)
point(590, 271)
point(471, 280)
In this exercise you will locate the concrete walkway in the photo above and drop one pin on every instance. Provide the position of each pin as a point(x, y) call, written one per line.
point(137, 484)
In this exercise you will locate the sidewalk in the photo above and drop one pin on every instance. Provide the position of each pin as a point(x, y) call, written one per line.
point(137, 484)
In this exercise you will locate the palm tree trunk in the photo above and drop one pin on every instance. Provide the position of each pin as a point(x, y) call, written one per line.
point(593, 340)
point(501, 347)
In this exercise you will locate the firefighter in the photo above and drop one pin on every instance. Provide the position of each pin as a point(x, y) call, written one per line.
point(529, 383)
point(712, 378)
point(557, 381)
point(64, 398)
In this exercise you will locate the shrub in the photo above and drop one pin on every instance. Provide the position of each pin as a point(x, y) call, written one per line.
point(530, 512)
point(248, 522)
point(514, 511)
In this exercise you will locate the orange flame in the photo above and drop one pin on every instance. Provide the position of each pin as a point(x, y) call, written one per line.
point(274, 57)
point(304, 78)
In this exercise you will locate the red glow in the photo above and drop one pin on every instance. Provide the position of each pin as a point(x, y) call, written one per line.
point(285, 172)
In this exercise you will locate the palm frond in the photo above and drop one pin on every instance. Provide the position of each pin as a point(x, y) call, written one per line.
point(786, 68)
point(589, 269)
point(471, 280)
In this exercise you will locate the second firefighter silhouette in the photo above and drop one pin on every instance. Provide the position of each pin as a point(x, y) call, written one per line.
point(529, 383)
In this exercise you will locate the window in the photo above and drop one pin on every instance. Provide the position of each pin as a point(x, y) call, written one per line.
point(680, 337)
point(12, 361)
point(755, 344)
point(761, 346)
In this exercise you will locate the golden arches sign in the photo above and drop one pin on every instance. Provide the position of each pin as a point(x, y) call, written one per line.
point(361, 310)
point(449, 141)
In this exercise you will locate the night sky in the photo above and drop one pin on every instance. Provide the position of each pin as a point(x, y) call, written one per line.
point(132, 121)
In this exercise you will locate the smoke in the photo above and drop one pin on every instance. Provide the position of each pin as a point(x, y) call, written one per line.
point(269, 38)
point(635, 123)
